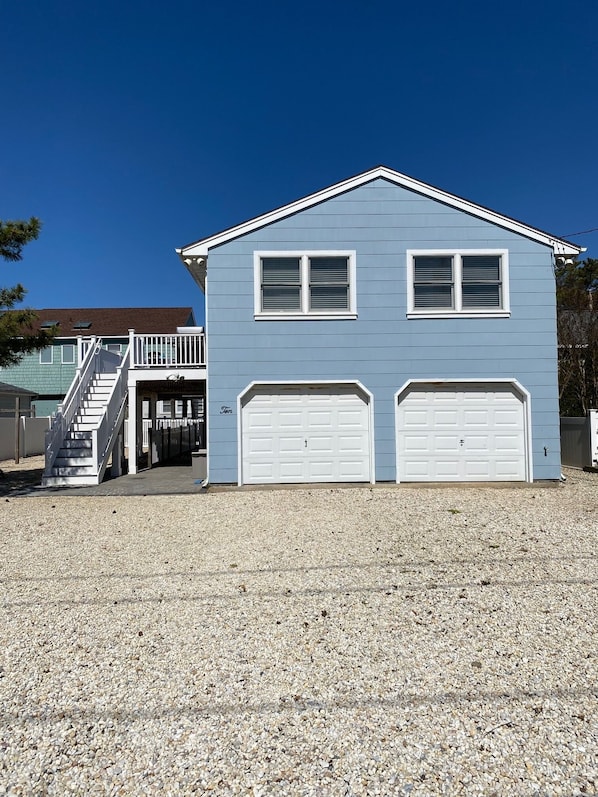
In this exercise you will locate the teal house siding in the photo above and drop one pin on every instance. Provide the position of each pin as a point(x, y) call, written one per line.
point(382, 348)
point(49, 380)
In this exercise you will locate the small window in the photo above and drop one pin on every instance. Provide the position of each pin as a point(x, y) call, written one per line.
point(113, 347)
point(82, 325)
point(457, 283)
point(48, 324)
point(46, 356)
point(298, 285)
point(68, 353)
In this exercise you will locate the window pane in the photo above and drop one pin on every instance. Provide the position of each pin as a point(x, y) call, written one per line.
point(68, 353)
point(439, 296)
point(280, 271)
point(481, 296)
point(45, 356)
point(433, 269)
point(481, 268)
point(329, 297)
point(281, 298)
point(327, 270)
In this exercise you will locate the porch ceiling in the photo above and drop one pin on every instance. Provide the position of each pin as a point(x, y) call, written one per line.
point(178, 387)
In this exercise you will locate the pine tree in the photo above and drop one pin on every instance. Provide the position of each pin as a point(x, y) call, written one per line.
point(577, 317)
point(17, 336)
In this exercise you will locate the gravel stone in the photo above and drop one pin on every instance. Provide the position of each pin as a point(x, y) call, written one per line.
point(314, 641)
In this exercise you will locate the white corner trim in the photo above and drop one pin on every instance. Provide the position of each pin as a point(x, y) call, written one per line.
point(203, 246)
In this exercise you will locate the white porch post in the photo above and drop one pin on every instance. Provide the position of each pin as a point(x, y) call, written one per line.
point(132, 356)
point(132, 428)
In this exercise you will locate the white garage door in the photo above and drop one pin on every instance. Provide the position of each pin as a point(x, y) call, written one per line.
point(305, 434)
point(461, 433)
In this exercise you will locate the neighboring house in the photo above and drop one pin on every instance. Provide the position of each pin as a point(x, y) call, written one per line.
point(380, 330)
point(15, 400)
point(50, 372)
point(135, 364)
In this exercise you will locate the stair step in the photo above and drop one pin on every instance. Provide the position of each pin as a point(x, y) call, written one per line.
point(67, 451)
point(72, 470)
point(69, 481)
point(64, 464)
point(83, 440)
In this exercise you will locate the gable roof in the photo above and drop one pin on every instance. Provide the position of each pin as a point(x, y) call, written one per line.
point(115, 321)
point(199, 249)
point(13, 390)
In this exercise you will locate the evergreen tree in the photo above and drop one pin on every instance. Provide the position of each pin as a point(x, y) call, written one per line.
point(577, 319)
point(17, 335)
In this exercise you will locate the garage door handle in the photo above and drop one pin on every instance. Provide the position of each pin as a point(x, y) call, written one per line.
point(461, 442)
point(306, 444)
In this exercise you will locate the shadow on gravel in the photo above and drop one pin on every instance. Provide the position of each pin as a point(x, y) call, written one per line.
point(20, 482)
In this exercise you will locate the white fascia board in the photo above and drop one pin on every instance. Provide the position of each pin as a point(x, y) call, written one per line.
point(202, 247)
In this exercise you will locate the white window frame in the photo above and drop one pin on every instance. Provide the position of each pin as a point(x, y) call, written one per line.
point(73, 346)
point(305, 314)
point(503, 311)
point(51, 360)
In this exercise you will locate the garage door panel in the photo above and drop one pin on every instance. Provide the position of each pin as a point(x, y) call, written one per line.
point(290, 470)
point(445, 443)
point(261, 445)
point(444, 419)
point(446, 468)
point(348, 444)
point(488, 439)
point(504, 444)
point(290, 445)
point(317, 444)
point(261, 471)
point(478, 417)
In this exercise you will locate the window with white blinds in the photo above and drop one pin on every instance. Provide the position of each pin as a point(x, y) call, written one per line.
point(305, 284)
point(461, 282)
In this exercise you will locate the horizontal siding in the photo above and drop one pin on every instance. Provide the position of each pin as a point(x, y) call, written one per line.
point(381, 348)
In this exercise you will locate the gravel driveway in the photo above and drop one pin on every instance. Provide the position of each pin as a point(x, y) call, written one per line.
point(393, 641)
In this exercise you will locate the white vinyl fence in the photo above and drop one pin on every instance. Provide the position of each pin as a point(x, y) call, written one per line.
point(579, 441)
point(32, 437)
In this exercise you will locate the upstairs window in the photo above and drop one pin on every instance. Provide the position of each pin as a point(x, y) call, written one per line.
point(458, 283)
point(298, 285)
point(68, 353)
point(46, 356)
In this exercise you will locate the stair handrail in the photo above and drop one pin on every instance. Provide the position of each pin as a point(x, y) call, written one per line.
point(104, 435)
point(67, 409)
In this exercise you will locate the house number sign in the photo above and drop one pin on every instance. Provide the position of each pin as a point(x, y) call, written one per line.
point(226, 410)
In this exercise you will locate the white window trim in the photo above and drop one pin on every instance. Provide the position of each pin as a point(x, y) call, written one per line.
point(304, 315)
point(412, 312)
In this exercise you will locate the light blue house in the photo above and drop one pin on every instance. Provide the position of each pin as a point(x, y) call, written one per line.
point(380, 330)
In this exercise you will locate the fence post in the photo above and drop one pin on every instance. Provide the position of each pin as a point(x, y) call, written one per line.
point(17, 428)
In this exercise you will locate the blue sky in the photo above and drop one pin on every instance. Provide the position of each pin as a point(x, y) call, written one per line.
point(131, 128)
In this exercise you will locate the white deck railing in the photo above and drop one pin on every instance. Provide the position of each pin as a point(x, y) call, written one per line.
point(185, 350)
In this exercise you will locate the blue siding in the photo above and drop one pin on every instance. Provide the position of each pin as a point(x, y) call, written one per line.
point(381, 348)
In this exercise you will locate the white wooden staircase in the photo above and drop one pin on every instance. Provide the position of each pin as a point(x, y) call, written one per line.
point(89, 421)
